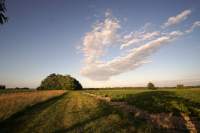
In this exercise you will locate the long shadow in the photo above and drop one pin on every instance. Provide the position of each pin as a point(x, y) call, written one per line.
point(162, 101)
point(165, 101)
point(104, 111)
point(7, 125)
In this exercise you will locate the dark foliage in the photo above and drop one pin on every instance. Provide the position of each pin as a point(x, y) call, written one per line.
point(3, 17)
point(180, 86)
point(2, 87)
point(60, 82)
point(24, 88)
point(151, 86)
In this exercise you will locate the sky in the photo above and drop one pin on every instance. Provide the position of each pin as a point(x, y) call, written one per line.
point(102, 43)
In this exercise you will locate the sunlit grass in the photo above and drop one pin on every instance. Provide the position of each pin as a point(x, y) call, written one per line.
point(73, 112)
point(158, 101)
point(11, 103)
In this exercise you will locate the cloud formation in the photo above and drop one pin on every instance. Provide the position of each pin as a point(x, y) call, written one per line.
point(194, 25)
point(135, 38)
point(102, 35)
point(177, 19)
point(106, 33)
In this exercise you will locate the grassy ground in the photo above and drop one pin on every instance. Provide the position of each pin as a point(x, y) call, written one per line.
point(117, 95)
point(11, 103)
point(6, 91)
point(73, 112)
point(165, 100)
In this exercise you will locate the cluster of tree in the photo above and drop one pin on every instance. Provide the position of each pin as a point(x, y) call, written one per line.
point(24, 88)
point(3, 17)
point(60, 82)
point(2, 87)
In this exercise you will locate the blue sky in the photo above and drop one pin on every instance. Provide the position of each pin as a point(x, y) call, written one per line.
point(43, 37)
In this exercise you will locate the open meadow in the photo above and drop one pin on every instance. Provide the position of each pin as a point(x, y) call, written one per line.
point(182, 104)
point(12, 101)
point(72, 112)
point(128, 110)
point(99, 66)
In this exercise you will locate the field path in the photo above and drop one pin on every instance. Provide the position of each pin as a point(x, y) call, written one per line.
point(160, 120)
point(72, 112)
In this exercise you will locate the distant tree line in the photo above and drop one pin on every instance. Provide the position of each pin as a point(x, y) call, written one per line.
point(150, 85)
point(23, 88)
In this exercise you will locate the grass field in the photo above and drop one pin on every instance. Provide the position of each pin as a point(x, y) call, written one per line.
point(14, 101)
point(157, 101)
point(75, 111)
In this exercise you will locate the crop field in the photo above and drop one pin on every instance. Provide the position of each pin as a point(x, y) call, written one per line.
point(76, 111)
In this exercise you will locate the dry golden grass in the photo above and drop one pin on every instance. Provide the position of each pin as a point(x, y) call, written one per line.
point(13, 102)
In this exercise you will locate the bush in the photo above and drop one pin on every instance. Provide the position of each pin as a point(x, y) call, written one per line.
point(60, 82)
point(151, 86)
point(2, 87)
point(180, 86)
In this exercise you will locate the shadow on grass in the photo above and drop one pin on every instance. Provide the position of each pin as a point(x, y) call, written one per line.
point(104, 120)
point(105, 110)
point(21, 116)
point(163, 101)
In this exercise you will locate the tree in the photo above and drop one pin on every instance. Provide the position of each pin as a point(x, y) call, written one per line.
point(2, 87)
point(3, 17)
point(151, 86)
point(60, 82)
point(179, 86)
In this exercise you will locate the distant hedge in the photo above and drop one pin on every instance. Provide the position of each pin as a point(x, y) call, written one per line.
point(60, 82)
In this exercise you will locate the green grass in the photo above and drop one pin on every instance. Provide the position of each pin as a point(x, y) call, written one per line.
point(117, 95)
point(157, 101)
point(15, 91)
point(73, 112)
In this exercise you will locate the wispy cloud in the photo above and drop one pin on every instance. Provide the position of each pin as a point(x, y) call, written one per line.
point(135, 38)
point(106, 33)
point(102, 35)
point(177, 19)
point(194, 25)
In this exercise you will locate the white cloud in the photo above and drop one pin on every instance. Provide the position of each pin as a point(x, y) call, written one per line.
point(134, 59)
point(194, 25)
point(108, 13)
point(105, 33)
point(177, 19)
point(102, 35)
point(131, 38)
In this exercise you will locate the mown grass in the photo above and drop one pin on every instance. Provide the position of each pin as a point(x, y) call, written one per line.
point(117, 95)
point(10, 103)
point(73, 112)
point(157, 101)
